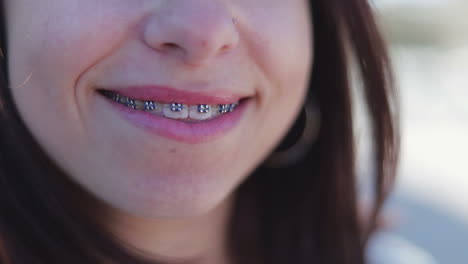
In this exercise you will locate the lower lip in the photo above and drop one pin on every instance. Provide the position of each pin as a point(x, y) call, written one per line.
point(188, 132)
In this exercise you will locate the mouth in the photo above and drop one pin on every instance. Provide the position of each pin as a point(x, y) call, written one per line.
point(174, 110)
point(178, 115)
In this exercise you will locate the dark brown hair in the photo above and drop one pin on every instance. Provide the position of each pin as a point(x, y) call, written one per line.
point(306, 213)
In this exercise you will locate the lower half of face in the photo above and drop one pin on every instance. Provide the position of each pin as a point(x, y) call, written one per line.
point(159, 108)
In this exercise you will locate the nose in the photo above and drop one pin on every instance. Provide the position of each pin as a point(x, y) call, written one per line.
point(194, 31)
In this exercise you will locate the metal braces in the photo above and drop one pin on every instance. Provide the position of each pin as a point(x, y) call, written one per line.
point(176, 107)
point(204, 108)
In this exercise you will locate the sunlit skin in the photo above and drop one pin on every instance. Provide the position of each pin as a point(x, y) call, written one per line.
point(162, 195)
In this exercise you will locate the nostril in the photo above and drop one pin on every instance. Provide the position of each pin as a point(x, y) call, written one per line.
point(225, 48)
point(169, 46)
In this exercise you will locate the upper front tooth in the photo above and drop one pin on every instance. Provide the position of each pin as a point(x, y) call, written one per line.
point(176, 107)
point(150, 106)
point(175, 110)
point(203, 108)
point(200, 112)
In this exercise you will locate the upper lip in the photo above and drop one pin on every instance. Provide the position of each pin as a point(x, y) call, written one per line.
point(165, 94)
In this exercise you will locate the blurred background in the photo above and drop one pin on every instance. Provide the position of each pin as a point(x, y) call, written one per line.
point(429, 48)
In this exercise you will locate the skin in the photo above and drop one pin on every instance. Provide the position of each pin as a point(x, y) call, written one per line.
point(157, 192)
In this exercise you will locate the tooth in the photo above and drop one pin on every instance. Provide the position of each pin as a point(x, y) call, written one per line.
point(232, 107)
point(122, 99)
point(175, 110)
point(203, 108)
point(224, 108)
point(200, 112)
point(176, 107)
point(131, 103)
point(152, 107)
point(140, 105)
point(149, 106)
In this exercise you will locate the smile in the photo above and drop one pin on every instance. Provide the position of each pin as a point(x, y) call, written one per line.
point(174, 110)
point(181, 116)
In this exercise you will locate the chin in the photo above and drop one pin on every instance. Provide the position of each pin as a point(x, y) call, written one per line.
point(172, 196)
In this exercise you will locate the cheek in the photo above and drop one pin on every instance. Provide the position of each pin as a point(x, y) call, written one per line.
point(49, 52)
point(47, 55)
point(62, 38)
point(283, 49)
point(284, 46)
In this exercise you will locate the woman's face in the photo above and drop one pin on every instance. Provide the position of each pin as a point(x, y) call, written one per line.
point(181, 64)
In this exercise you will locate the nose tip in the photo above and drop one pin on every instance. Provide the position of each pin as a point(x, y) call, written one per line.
point(194, 33)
